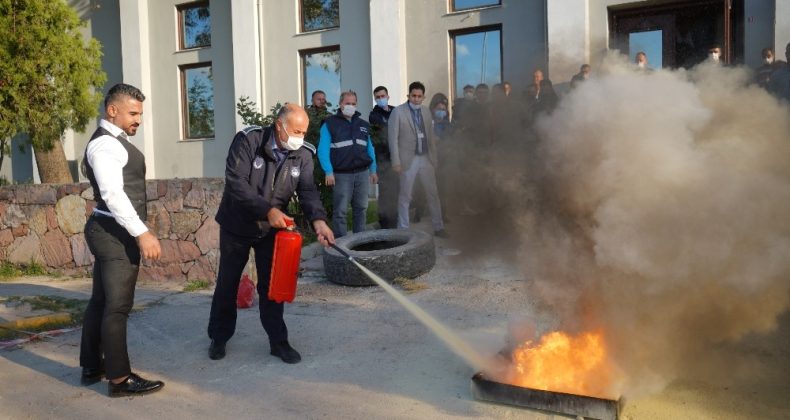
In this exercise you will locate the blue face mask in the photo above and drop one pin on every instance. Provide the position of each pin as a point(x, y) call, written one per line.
point(382, 102)
point(440, 114)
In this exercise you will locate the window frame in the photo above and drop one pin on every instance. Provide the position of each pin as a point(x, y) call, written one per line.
point(468, 31)
point(182, 72)
point(451, 7)
point(300, 15)
point(303, 66)
point(180, 8)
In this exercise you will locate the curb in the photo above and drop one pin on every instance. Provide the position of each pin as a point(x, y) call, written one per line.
point(36, 322)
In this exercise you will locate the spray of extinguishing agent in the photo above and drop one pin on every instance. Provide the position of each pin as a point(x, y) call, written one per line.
point(458, 346)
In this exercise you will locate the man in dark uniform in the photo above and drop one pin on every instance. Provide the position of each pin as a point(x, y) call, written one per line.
point(265, 166)
point(116, 235)
point(388, 179)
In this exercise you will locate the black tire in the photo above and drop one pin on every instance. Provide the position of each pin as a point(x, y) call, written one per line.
point(409, 253)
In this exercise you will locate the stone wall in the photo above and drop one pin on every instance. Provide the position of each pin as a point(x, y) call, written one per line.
point(45, 223)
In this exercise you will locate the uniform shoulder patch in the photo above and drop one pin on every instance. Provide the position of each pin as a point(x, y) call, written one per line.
point(309, 146)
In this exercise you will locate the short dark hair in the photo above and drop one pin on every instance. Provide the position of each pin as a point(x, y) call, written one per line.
point(316, 92)
point(378, 88)
point(122, 90)
point(469, 87)
point(438, 98)
point(417, 85)
point(482, 86)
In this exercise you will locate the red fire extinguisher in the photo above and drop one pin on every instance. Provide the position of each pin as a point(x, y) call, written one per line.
point(285, 264)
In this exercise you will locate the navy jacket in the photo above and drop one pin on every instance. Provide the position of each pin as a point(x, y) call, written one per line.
point(254, 184)
point(348, 151)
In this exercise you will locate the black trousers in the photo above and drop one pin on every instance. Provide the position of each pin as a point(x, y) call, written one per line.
point(234, 253)
point(114, 278)
point(388, 197)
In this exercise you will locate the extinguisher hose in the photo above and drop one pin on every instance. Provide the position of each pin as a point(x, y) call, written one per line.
point(342, 252)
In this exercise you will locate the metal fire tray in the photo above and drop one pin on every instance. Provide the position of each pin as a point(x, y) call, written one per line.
point(485, 389)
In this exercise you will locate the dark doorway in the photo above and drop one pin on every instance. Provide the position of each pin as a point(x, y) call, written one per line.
point(680, 32)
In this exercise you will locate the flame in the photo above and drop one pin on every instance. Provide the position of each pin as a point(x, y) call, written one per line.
point(564, 363)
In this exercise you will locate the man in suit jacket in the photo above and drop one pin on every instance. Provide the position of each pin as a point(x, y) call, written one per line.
point(413, 154)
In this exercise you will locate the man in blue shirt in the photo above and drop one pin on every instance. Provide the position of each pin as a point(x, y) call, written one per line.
point(345, 152)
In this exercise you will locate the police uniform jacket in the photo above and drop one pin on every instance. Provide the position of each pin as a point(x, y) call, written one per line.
point(254, 183)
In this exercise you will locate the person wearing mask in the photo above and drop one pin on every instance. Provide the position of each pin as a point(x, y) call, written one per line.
point(388, 179)
point(714, 55)
point(442, 131)
point(345, 152)
point(118, 238)
point(508, 88)
point(641, 62)
point(581, 76)
point(462, 103)
point(264, 168)
point(413, 153)
point(762, 75)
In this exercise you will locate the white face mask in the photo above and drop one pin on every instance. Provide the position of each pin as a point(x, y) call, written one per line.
point(769, 60)
point(382, 102)
point(349, 110)
point(714, 56)
point(293, 142)
point(469, 95)
point(414, 107)
point(641, 64)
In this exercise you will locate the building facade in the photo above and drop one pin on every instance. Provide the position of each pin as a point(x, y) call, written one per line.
point(194, 60)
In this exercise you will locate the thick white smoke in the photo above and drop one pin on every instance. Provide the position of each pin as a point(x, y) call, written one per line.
point(662, 215)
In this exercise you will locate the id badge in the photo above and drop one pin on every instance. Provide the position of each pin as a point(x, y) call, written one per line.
point(420, 136)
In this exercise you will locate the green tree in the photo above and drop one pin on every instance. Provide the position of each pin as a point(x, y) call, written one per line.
point(50, 79)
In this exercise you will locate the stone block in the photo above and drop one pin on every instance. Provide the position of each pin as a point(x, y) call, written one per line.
point(207, 237)
point(186, 185)
point(151, 190)
point(67, 189)
point(6, 237)
point(38, 221)
point(174, 199)
point(56, 248)
point(87, 194)
point(24, 250)
point(185, 223)
point(52, 218)
point(14, 216)
point(161, 188)
point(89, 206)
point(3, 207)
point(201, 270)
point(158, 219)
point(71, 214)
point(80, 251)
point(159, 274)
point(37, 194)
point(195, 198)
point(20, 230)
point(7, 194)
point(175, 252)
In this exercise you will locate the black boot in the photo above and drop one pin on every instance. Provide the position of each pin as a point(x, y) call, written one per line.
point(216, 350)
point(284, 351)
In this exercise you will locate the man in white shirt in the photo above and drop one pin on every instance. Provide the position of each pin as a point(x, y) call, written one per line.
point(117, 237)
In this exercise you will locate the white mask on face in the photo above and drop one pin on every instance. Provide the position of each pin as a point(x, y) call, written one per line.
point(769, 60)
point(293, 142)
point(641, 64)
point(469, 95)
point(714, 56)
point(414, 107)
point(349, 110)
point(382, 102)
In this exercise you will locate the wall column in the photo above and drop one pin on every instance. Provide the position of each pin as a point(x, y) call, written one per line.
point(388, 48)
point(568, 24)
point(246, 53)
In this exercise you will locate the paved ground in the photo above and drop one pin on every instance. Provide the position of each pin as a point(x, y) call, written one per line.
point(363, 357)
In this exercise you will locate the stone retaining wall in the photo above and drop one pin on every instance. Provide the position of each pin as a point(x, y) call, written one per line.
point(45, 223)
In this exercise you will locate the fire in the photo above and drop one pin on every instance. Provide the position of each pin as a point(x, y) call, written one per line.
point(564, 363)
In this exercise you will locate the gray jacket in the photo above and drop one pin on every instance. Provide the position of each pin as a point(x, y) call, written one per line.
point(402, 136)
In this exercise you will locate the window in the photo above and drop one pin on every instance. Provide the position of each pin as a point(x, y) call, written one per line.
point(477, 57)
point(319, 14)
point(194, 25)
point(473, 4)
point(197, 100)
point(321, 71)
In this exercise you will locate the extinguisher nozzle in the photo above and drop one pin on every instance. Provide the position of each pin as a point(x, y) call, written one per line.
point(342, 252)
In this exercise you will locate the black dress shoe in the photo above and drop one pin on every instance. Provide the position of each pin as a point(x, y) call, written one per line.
point(134, 385)
point(441, 233)
point(216, 350)
point(91, 375)
point(284, 351)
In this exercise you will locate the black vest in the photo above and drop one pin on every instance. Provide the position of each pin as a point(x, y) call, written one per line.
point(349, 149)
point(133, 176)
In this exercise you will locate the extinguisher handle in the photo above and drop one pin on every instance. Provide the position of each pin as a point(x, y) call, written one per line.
point(289, 224)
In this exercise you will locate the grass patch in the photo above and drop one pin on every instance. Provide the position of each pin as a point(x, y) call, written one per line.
point(409, 285)
point(195, 285)
point(10, 271)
